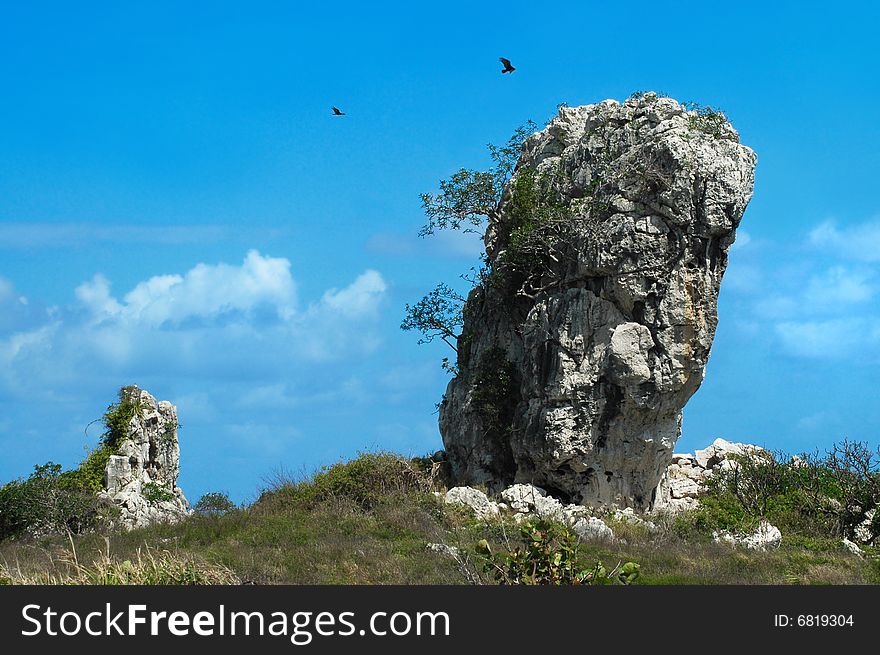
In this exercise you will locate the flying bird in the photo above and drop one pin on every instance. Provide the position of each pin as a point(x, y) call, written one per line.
point(508, 67)
point(337, 111)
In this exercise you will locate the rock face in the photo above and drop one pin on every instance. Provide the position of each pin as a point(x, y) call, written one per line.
point(594, 325)
point(142, 479)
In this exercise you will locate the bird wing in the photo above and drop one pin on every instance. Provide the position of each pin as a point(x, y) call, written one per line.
point(504, 61)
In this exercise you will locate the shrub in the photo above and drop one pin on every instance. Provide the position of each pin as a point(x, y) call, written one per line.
point(117, 420)
point(813, 495)
point(495, 391)
point(53, 500)
point(709, 120)
point(368, 480)
point(213, 504)
point(843, 485)
point(50, 500)
point(549, 556)
point(156, 493)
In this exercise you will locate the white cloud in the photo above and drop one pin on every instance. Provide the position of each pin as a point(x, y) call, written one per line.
point(360, 298)
point(215, 320)
point(813, 421)
point(204, 292)
point(859, 242)
point(831, 338)
point(95, 296)
point(818, 297)
point(840, 285)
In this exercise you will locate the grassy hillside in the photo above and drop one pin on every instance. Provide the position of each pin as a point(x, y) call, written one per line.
point(369, 521)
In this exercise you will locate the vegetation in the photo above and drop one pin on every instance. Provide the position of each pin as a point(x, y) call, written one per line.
point(495, 393)
point(465, 201)
point(49, 500)
point(147, 567)
point(810, 497)
point(709, 120)
point(437, 315)
point(54, 500)
point(370, 521)
point(549, 556)
point(155, 493)
point(533, 242)
point(213, 504)
point(469, 197)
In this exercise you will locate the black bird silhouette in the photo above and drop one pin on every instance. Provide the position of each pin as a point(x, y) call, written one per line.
point(337, 112)
point(508, 67)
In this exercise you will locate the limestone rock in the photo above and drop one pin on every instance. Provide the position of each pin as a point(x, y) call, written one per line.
point(532, 500)
point(852, 547)
point(574, 366)
point(628, 515)
point(521, 497)
point(685, 478)
point(721, 450)
point(444, 549)
point(572, 513)
point(529, 502)
point(593, 529)
point(864, 532)
point(765, 537)
point(473, 498)
point(141, 480)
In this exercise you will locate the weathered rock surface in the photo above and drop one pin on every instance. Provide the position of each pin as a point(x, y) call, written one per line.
point(142, 479)
point(475, 499)
point(852, 547)
point(685, 478)
point(527, 502)
point(627, 515)
point(444, 549)
point(765, 537)
point(573, 367)
point(864, 532)
point(592, 528)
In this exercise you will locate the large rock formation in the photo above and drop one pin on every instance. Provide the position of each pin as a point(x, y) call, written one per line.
point(594, 324)
point(141, 480)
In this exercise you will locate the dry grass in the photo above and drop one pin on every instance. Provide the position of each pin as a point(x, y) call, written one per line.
point(369, 522)
point(148, 566)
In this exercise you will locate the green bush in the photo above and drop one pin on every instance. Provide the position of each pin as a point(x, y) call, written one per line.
point(50, 500)
point(54, 500)
point(815, 496)
point(369, 479)
point(156, 493)
point(117, 418)
point(495, 391)
point(709, 120)
point(213, 504)
point(549, 555)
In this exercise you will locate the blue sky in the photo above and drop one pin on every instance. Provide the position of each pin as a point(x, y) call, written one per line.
point(179, 210)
